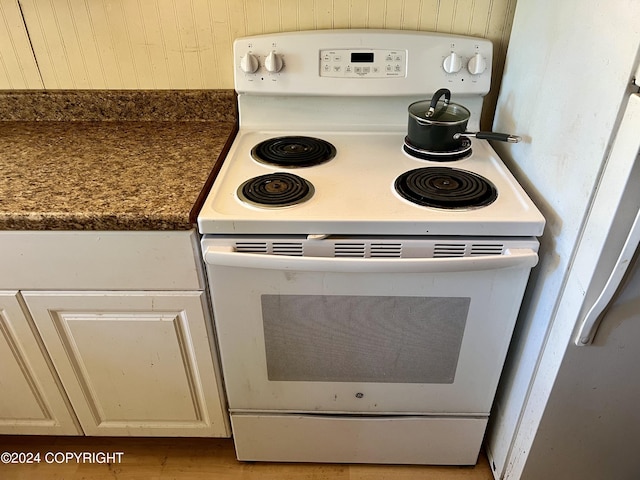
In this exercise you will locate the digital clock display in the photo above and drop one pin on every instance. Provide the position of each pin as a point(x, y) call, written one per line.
point(361, 57)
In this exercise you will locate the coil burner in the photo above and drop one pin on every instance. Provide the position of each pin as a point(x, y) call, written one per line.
point(293, 151)
point(443, 187)
point(458, 153)
point(278, 189)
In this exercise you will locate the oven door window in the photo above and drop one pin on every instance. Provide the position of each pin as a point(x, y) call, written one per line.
point(343, 338)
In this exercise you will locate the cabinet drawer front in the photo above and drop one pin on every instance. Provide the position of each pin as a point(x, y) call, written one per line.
point(334, 439)
point(55, 260)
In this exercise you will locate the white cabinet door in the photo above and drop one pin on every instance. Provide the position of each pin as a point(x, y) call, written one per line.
point(134, 363)
point(31, 399)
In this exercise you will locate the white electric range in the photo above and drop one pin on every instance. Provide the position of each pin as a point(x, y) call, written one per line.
point(364, 293)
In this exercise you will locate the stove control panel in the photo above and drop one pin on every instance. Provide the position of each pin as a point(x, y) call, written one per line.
point(363, 63)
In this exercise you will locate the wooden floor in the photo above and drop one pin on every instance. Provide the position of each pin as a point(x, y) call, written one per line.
point(179, 458)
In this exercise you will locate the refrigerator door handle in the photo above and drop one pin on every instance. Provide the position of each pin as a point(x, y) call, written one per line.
point(591, 322)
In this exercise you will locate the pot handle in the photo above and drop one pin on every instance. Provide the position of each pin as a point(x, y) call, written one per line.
point(501, 137)
point(434, 100)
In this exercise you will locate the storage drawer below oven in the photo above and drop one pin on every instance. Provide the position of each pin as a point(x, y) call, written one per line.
point(336, 439)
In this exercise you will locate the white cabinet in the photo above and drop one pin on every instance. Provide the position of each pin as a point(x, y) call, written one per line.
point(133, 363)
point(31, 399)
point(107, 333)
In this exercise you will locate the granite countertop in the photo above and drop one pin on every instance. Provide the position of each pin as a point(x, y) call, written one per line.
point(109, 160)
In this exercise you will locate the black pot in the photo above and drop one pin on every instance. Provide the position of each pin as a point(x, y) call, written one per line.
point(439, 125)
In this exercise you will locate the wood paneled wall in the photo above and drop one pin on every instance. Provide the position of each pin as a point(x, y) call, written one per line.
point(18, 68)
point(186, 44)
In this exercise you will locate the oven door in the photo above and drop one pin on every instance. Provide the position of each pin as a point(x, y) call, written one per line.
point(364, 335)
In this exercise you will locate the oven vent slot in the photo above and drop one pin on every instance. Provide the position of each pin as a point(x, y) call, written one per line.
point(351, 249)
point(386, 250)
point(487, 249)
point(441, 250)
point(251, 247)
point(287, 248)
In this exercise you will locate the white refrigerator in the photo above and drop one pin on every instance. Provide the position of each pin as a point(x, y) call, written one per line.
point(568, 404)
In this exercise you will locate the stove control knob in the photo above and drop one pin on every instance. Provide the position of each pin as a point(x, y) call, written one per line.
point(453, 63)
point(273, 63)
point(477, 64)
point(249, 63)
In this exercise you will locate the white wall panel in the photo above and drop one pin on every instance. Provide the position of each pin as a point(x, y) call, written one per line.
point(176, 44)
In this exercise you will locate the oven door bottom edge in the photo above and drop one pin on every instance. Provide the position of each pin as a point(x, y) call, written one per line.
point(348, 414)
point(378, 439)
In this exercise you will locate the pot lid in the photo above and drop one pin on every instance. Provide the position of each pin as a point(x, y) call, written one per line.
point(451, 112)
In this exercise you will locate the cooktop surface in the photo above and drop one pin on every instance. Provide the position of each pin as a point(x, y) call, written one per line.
point(361, 183)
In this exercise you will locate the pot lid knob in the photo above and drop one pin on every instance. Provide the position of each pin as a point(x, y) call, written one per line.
point(443, 92)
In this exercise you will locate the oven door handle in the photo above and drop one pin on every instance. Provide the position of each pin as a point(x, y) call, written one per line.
point(512, 258)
